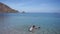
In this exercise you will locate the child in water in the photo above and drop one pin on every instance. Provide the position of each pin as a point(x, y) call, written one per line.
point(33, 28)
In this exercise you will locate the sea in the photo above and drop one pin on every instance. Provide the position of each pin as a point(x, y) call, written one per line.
point(19, 23)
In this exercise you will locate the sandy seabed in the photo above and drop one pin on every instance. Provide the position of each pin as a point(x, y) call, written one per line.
point(22, 31)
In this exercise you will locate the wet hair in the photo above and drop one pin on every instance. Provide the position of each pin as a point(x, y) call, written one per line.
point(33, 26)
point(38, 27)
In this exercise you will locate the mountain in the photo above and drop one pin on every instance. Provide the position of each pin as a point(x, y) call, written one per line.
point(6, 9)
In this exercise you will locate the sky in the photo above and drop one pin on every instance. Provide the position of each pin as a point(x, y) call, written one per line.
point(49, 6)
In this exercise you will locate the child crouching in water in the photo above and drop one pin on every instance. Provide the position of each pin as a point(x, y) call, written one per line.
point(33, 28)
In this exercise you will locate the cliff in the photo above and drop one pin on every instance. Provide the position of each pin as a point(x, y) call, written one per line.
point(6, 9)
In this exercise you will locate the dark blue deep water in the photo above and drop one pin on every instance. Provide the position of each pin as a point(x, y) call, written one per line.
point(19, 23)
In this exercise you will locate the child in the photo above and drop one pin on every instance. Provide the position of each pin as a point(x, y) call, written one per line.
point(32, 28)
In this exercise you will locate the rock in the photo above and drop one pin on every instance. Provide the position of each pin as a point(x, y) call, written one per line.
point(6, 9)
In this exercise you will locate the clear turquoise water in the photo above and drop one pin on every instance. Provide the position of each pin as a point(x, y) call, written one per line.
point(19, 23)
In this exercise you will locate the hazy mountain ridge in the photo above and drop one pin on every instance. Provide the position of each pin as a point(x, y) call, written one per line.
point(6, 9)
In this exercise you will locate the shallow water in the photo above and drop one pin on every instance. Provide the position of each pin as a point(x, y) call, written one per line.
point(12, 23)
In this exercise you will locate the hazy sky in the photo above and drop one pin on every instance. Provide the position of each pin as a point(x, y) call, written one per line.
point(34, 5)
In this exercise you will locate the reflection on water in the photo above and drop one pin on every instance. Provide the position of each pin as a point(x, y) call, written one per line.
point(19, 23)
